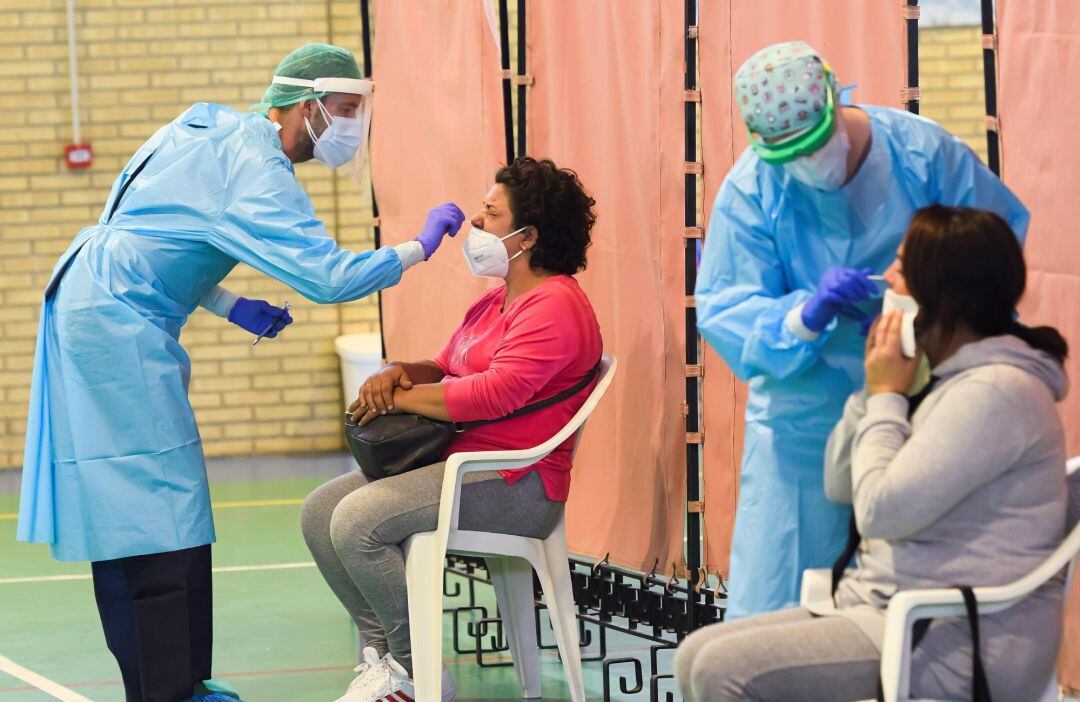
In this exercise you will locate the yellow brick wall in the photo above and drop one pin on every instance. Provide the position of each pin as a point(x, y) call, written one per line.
point(951, 75)
point(142, 62)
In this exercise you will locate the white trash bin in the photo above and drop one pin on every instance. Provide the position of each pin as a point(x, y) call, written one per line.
point(361, 357)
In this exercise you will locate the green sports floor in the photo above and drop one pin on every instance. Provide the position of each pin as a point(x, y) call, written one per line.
point(280, 636)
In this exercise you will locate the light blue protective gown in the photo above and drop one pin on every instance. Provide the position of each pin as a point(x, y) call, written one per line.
point(114, 464)
point(770, 239)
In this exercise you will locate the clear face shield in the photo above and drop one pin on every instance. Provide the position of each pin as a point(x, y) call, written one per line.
point(345, 138)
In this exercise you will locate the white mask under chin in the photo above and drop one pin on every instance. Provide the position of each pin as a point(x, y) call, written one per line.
point(486, 255)
point(826, 168)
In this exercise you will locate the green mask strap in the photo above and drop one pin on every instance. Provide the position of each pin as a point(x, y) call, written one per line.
point(803, 144)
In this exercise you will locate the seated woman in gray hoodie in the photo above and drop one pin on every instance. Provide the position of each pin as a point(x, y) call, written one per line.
point(961, 481)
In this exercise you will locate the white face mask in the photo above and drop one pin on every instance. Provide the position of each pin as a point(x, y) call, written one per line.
point(486, 255)
point(826, 168)
point(910, 308)
point(340, 141)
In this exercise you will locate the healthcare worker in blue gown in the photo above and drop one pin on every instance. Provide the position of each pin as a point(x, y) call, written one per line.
point(820, 201)
point(114, 471)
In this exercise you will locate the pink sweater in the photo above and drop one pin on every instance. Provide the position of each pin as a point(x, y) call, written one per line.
point(498, 362)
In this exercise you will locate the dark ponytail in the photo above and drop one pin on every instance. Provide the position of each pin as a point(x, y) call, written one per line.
point(965, 266)
point(1045, 339)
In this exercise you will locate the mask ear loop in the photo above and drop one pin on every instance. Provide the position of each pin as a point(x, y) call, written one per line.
point(310, 130)
point(515, 233)
point(327, 117)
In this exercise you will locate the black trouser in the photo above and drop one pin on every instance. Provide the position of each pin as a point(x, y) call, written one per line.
point(157, 613)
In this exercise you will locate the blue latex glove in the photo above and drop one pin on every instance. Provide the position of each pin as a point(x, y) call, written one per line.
point(256, 316)
point(838, 287)
point(442, 220)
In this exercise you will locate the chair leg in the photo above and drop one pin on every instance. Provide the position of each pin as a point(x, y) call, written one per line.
point(559, 596)
point(512, 578)
point(423, 570)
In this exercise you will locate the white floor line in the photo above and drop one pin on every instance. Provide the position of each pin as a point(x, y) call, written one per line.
point(42, 683)
point(226, 569)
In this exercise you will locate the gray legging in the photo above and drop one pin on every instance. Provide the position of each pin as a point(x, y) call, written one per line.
point(355, 530)
point(784, 655)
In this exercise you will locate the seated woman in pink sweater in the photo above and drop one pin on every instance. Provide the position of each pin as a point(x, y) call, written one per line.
point(520, 343)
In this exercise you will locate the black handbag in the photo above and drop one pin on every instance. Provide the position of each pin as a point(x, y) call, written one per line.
point(398, 443)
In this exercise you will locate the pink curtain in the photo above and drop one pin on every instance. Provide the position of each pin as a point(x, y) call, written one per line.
point(607, 102)
point(437, 136)
point(1039, 89)
point(866, 47)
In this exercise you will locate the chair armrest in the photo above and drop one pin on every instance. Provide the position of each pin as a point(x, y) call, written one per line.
point(907, 607)
point(816, 586)
point(461, 463)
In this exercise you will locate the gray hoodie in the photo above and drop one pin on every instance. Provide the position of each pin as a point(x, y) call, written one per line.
point(971, 491)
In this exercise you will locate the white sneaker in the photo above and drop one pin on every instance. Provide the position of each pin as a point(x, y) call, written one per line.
point(371, 663)
point(387, 681)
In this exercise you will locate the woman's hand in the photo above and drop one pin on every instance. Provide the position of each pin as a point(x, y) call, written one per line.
point(364, 418)
point(376, 396)
point(887, 369)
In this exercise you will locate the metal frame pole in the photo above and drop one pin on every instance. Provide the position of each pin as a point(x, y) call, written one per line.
point(993, 142)
point(912, 20)
point(522, 142)
point(693, 345)
point(508, 105)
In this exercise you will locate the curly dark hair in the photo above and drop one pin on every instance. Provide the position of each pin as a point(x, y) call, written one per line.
point(553, 201)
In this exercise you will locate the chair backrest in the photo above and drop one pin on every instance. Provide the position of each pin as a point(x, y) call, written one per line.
point(511, 460)
point(1072, 480)
point(526, 457)
point(608, 364)
point(1072, 518)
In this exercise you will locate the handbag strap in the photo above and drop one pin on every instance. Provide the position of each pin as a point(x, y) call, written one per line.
point(980, 687)
point(537, 406)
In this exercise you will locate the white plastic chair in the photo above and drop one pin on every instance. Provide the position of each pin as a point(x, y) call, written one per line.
point(510, 561)
point(909, 606)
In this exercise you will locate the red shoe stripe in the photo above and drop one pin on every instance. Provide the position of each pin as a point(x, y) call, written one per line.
point(404, 697)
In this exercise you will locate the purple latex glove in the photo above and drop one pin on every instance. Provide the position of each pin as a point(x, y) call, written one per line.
point(838, 286)
point(442, 220)
point(259, 317)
